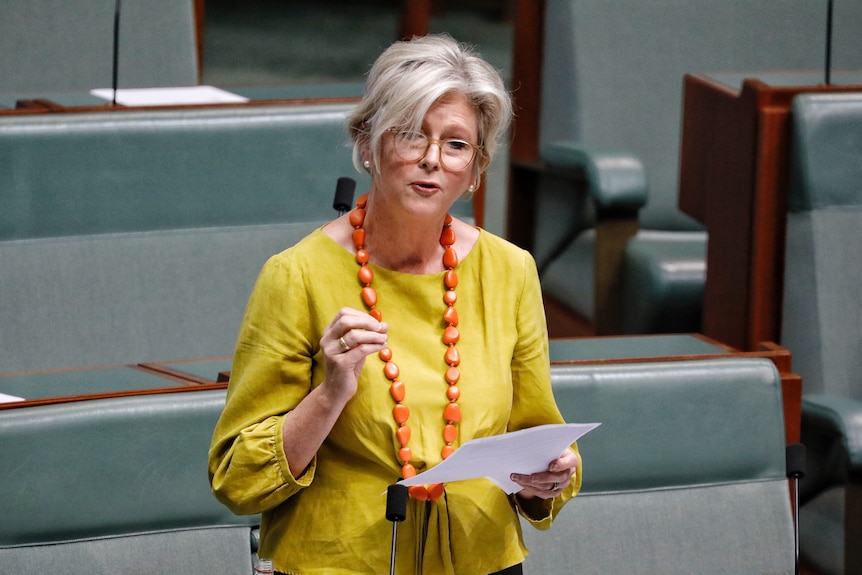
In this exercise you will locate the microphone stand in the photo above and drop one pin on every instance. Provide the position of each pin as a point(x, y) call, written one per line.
point(396, 511)
point(795, 454)
point(116, 51)
point(829, 43)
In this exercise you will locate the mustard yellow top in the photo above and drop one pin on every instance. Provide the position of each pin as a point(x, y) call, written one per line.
point(331, 519)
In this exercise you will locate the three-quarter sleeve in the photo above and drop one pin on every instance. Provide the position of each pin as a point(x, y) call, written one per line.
point(270, 375)
point(533, 400)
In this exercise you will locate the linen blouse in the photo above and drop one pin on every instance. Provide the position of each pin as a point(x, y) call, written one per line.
point(331, 519)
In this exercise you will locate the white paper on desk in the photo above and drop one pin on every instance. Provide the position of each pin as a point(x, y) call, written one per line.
point(5, 398)
point(169, 96)
point(526, 451)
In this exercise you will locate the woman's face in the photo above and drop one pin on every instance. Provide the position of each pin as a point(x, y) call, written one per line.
point(425, 186)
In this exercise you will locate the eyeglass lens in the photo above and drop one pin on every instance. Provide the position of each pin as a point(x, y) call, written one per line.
point(455, 154)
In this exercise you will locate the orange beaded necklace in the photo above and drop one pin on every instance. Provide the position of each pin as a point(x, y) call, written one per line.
point(401, 413)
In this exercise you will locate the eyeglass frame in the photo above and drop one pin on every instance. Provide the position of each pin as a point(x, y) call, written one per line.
point(430, 141)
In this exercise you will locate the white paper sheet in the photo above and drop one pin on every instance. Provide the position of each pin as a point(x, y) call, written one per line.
point(169, 96)
point(5, 398)
point(495, 458)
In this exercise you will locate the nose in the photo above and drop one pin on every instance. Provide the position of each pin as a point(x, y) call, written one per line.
point(431, 159)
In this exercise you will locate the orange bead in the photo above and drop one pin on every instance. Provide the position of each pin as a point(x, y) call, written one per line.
point(451, 335)
point(450, 258)
point(435, 491)
point(403, 435)
point(450, 280)
point(357, 216)
point(407, 471)
point(385, 354)
point(358, 238)
point(390, 370)
point(450, 316)
point(450, 297)
point(447, 221)
point(396, 390)
point(362, 201)
point(452, 413)
point(405, 454)
point(401, 413)
point(453, 358)
point(453, 374)
point(375, 313)
point(369, 296)
point(418, 492)
point(447, 451)
point(447, 236)
point(453, 393)
point(366, 276)
point(450, 433)
point(362, 256)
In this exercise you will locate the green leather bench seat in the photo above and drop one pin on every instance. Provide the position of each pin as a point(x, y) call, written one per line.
point(136, 236)
point(117, 485)
point(96, 173)
point(685, 475)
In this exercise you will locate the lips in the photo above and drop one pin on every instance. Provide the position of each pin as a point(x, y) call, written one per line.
point(426, 186)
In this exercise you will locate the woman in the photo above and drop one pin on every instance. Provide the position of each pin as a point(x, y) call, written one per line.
point(378, 344)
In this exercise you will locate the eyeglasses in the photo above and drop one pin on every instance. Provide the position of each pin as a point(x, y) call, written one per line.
point(455, 154)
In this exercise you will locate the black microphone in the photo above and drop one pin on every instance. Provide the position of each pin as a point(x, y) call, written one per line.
point(795, 462)
point(116, 66)
point(344, 195)
point(396, 511)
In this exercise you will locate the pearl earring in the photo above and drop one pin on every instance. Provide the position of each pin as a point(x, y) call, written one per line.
point(471, 188)
point(367, 165)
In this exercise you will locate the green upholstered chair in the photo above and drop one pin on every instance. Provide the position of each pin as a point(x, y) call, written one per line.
point(611, 242)
point(822, 322)
point(56, 46)
point(117, 486)
point(686, 473)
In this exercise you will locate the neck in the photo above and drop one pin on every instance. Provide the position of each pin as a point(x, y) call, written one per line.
point(410, 245)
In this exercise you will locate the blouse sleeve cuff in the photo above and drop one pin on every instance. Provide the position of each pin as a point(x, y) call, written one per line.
point(293, 483)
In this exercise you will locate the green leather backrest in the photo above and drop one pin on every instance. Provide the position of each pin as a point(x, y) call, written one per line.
point(822, 308)
point(613, 71)
point(826, 152)
point(128, 298)
point(104, 172)
point(109, 467)
point(67, 46)
point(675, 424)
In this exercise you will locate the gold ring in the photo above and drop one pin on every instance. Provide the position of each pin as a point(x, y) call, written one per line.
point(343, 343)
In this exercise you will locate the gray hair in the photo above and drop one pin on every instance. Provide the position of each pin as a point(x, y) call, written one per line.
point(410, 76)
